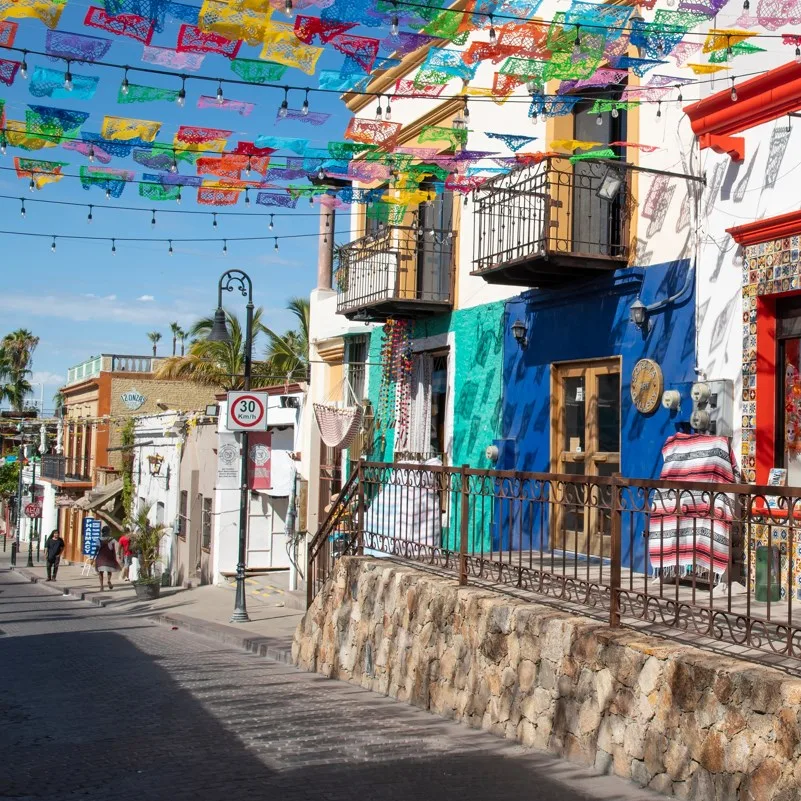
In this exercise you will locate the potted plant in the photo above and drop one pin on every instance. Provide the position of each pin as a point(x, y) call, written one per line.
point(147, 546)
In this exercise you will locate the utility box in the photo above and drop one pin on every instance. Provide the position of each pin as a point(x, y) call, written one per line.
point(713, 407)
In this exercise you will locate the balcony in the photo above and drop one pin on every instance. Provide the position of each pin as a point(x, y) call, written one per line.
point(65, 469)
point(553, 223)
point(399, 271)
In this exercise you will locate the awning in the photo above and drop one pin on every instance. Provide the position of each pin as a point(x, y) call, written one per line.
point(99, 497)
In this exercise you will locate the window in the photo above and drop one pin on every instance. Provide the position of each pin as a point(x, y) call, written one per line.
point(356, 358)
point(159, 513)
point(205, 535)
point(182, 524)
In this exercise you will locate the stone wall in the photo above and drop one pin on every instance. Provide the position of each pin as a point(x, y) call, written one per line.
point(674, 718)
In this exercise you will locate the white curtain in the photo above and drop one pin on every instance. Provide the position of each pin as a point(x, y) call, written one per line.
point(414, 434)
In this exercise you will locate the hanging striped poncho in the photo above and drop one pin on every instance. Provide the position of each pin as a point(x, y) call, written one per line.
point(692, 529)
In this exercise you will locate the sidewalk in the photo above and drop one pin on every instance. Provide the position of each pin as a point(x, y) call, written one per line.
point(201, 610)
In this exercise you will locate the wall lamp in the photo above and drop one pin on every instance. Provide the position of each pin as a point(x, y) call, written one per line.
point(638, 314)
point(610, 184)
point(519, 331)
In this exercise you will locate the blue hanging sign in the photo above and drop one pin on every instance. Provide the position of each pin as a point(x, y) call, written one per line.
point(91, 535)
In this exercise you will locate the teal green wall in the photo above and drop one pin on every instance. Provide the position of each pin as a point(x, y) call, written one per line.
point(475, 361)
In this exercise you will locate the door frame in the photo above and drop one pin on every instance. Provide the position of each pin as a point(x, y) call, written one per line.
point(600, 366)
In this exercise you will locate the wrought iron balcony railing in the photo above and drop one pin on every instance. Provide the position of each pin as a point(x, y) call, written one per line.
point(549, 223)
point(65, 468)
point(399, 271)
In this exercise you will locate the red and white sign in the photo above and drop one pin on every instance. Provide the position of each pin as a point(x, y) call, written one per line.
point(247, 411)
point(260, 457)
point(33, 510)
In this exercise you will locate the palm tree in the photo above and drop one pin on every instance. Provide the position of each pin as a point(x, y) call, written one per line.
point(182, 335)
point(288, 354)
point(220, 364)
point(16, 352)
point(176, 332)
point(154, 337)
point(19, 346)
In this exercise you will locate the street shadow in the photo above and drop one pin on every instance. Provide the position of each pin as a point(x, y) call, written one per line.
point(88, 714)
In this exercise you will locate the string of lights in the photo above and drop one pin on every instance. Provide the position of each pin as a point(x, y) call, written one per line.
point(153, 212)
point(113, 240)
point(287, 88)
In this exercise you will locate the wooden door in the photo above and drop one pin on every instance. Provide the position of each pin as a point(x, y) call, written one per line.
point(586, 442)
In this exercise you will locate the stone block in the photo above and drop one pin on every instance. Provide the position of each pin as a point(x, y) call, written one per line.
point(639, 773)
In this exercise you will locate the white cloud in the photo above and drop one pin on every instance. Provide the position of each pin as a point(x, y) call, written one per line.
point(47, 378)
point(110, 297)
point(145, 298)
point(80, 309)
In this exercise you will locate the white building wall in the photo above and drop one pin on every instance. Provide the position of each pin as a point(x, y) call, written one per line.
point(267, 509)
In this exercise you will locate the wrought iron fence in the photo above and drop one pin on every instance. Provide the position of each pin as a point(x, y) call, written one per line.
point(717, 560)
point(550, 208)
point(398, 263)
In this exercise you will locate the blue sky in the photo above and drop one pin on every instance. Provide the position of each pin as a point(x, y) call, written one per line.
point(82, 300)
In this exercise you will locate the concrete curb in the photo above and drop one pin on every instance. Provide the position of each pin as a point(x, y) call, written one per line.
point(229, 635)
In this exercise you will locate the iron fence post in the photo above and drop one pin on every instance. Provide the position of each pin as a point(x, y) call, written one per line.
point(360, 509)
point(616, 555)
point(465, 508)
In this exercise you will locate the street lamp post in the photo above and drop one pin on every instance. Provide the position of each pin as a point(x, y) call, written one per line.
point(229, 281)
point(32, 526)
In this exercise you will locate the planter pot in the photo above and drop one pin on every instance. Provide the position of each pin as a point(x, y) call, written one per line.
point(147, 591)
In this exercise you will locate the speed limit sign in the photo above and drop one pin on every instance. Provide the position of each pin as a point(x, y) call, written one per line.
point(247, 411)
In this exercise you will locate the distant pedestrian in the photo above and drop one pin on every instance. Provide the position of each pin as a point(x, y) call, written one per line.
point(106, 557)
point(54, 545)
point(127, 555)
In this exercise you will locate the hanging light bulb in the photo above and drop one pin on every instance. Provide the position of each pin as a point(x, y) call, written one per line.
point(284, 109)
point(275, 247)
point(388, 111)
point(535, 117)
point(214, 220)
point(178, 196)
point(89, 217)
point(124, 86)
point(108, 193)
point(493, 37)
point(247, 197)
point(225, 247)
point(248, 168)
point(174, 165)
point(466, 200)
point(320, 174)
point(327, 220)
point(23, 67)
point(615, 113)
point(170, 250)
point(311, 200)
point(53, 246)
point(3, 144)
point(220, 96)
point(113, 247)
point(577, 43)
point(22, 207)
point(304, 109)
point(679, 98)
point(658, 108)
point(733, 91)
point(798, 54)
point(746, 5)
point(32, 185)
point(271, 225)
point(393, 28)
point(91, 153)
point(288, 7)
point(379, 112)
point(181, 98)
point(68, 78)
point(153, 218)
point(599, 120)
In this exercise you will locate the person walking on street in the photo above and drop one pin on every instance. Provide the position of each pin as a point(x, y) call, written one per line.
point(106, 557)
point(127, 555)
point(54, 545)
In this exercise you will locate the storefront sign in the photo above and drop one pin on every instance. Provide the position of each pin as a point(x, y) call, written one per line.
point(227, 462)
point(260, 461)
point(91, 535)
point(133, 400)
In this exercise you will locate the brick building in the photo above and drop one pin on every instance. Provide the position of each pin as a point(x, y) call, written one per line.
point(83, 477)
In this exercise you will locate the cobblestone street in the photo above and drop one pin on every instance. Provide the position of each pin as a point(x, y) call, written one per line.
point(98, 705)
